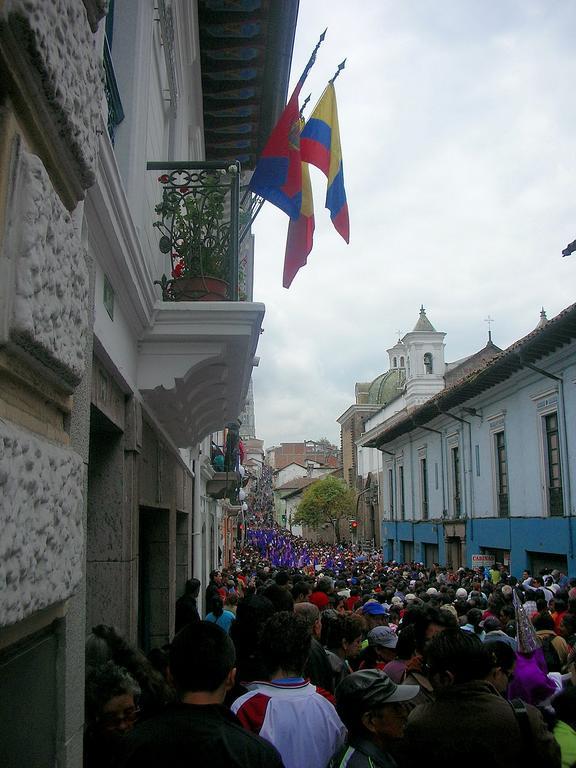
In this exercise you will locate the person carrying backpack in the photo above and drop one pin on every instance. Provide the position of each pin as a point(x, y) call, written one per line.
point(555, 648)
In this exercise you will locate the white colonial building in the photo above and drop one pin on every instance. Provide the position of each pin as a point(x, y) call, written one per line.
point(487, 465)
point(110, 395)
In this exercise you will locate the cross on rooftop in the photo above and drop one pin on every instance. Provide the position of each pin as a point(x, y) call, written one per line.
point(489, 320)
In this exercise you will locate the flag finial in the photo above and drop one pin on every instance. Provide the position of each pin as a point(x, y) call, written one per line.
point(312, 58)
point(340, 68)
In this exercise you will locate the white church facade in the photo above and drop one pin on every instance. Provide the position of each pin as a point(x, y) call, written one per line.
point(478, 456)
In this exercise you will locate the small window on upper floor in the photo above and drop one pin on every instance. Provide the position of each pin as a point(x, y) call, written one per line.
point(395, 363)
point(428, 362)
point(402, 362)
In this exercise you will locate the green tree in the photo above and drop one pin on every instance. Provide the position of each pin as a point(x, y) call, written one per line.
point(328, 500)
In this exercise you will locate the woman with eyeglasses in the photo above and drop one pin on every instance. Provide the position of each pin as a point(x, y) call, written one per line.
point(111, 712)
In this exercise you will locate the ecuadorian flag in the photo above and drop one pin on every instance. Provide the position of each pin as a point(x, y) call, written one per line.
point(278, 175)
point(320, 146)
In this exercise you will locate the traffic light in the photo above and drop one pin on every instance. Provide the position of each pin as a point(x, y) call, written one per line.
point(353, 526)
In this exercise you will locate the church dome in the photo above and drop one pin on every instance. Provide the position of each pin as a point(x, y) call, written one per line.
point(386, 387)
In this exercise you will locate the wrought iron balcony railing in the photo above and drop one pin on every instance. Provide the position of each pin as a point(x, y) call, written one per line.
point(198, 221)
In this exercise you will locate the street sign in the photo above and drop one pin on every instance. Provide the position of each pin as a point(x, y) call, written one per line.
point(481, 561)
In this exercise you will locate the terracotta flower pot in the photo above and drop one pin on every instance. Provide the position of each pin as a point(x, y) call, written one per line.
point(199, 289)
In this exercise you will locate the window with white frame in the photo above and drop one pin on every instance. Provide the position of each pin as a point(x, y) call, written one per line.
point(401, 493)
point(552, 464)
point(501, 474)
point(391, 492)
point(424, 487)
point(455, 478)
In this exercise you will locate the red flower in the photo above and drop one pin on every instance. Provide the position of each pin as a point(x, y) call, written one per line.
point(183, 190)
point(164, 179)
point(178, 269)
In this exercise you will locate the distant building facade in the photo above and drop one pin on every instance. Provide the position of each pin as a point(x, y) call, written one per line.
point(487, 465)
point(308, 450)
point(416, 371)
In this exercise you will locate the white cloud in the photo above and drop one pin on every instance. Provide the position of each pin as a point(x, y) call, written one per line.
point(456, 121)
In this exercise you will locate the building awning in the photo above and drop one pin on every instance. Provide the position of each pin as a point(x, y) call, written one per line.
point(246, 52)
point(194, 365)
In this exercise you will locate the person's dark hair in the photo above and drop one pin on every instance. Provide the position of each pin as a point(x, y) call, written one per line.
point(474, 617)
point(285, 643)
point(461, 653)
point(543, 620)
point(280, 598)
point(406, 646)
point(282, 578)
point(324, 584)
point(251, 615)
point(300, 589)
point(215, 573)
point(201, 656)
point(192, 587)
point(564, 705)
point(341, 628)
point(422, 617)
point(504, 655)
point(104, 683)
point(217, 606)
point(560, 604)
point(106, 644)
point(569, 621)
point(491, 624)
point(541, 604)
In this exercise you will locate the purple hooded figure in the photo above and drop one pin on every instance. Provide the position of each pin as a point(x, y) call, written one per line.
point(531, 682)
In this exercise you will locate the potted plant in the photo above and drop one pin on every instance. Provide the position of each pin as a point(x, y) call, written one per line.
point(194, 233)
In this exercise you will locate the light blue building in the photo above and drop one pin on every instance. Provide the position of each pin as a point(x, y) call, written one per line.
point(487, 465)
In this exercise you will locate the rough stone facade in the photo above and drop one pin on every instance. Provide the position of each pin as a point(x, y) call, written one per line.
point(56, 38)
point(49, 293)
point(41, 541)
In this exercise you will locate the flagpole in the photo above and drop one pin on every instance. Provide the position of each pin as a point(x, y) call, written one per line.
point(312, 58)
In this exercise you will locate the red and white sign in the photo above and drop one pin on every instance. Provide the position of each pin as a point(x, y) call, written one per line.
point(481, 561)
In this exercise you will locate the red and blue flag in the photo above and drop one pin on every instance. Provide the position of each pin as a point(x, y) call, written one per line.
point(300, 232)
point(278, 175)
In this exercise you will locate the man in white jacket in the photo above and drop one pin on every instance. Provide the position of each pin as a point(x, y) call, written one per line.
point(286, 709)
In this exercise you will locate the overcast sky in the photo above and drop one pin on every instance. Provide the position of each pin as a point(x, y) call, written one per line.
point(458, 131)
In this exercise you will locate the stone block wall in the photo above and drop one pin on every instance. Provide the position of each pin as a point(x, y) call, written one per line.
point(51, 101)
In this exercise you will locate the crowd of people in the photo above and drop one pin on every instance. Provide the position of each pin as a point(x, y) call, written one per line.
point(317, 656)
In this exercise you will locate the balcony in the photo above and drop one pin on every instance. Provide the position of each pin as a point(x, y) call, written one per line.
point(198, 230)
point(195, 362)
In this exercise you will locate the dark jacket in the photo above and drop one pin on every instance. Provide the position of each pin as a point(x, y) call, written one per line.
point(212, 592)
point(318, 668)
point(185, 735)
point(361, 753)
point(471, 724)
point(186, 612)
